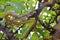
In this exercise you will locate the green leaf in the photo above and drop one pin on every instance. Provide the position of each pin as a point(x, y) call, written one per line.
point(17, 5)
point(40, 31)
point(34, 37)
point(1, 35)
point(18, 35)
point(2, 14)
point(46, 34)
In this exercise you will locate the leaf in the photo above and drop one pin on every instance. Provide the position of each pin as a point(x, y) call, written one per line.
point(0, 35)
point(18, 35)
point(17, 5)
point(40, 31)
point(2, 14)
point(34, 37)
point(46, 34)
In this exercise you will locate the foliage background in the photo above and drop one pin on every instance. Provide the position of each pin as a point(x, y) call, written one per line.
point(22, 7)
